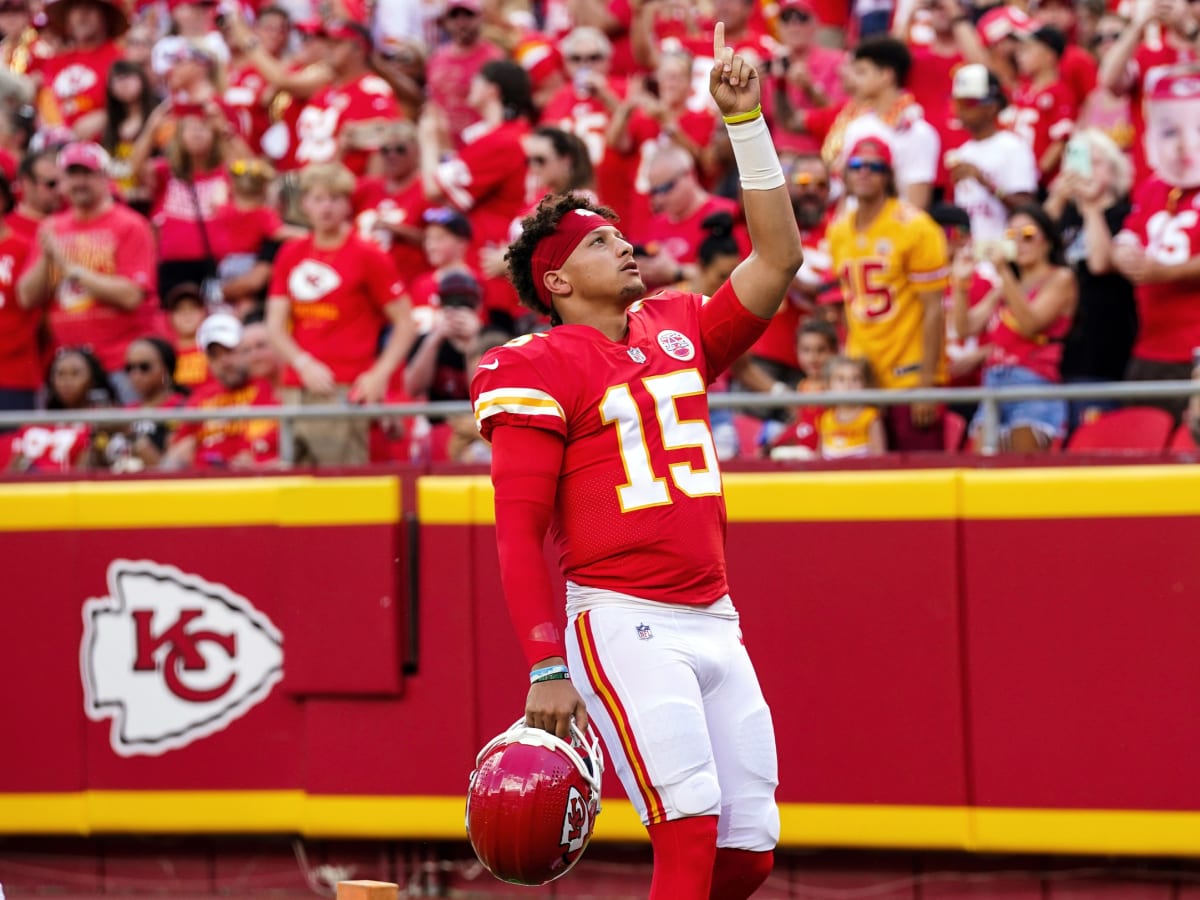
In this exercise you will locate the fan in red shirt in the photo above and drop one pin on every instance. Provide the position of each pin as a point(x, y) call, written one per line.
point(248, 94)
point(1042, 111)
point(226, 443)
point(97, 261)
point(73, 79)
point(331, 297)
point(40, 190)
point(352, 109)
point(20, 367)
point(452, 65)
point(388, 206)
point(486, 179)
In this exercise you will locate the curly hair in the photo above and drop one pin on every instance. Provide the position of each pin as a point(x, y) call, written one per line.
point(534, 228)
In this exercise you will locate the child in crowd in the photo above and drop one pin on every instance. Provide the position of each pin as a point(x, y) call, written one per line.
point(848, 431)
point(816, 344)
point(185, 311)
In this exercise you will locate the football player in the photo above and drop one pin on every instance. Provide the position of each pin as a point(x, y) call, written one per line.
point(600, 435)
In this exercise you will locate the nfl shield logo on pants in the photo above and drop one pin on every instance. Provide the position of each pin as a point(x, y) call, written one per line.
point(644, 633)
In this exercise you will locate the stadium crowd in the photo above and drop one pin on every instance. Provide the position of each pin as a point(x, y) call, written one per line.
point(214, 204)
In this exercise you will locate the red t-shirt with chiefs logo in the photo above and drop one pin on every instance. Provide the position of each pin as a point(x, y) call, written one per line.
point(247, 101)
point(638, 506)
point(1041, 116)
point(328, 112)
point(375, 208)
point(219, 441)
point(19, 364)
point(682, 239)
point(52, 448)
point(337, 297)
point(116, 242)
point(1166, 224)
point(73, 82)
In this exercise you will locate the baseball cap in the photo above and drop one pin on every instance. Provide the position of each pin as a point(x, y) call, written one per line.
point(976, 81)
point(186, 290)
point(947, 215)
point(450, 219)
point(346, 30)
point(1051, 37)
point(1002, 22)
point(799, 5)
point(474, 6)
point(459, 288)
point(83, 155)
point(219, 328)
point(876, 145)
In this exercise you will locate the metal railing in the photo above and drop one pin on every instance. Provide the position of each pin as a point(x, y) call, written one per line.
point(989, 400)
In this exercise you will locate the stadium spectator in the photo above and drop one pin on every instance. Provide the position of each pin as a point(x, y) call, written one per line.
point(452, 65)
point(993, 171)
point(248, 95)
point(447, 239)
point(1043, 108)
point(185, 309)
point(129, 102)
point(437, 366)
point(891, 258)
point(816, 344)
point(401, 63)
point(149, 365)
point(1026, 319)
point(680, 206)
point(226, 443)
point(20, 43)
point(1077, 66)
point(802, 76)
point(96, 261)
point(850, 430)
point(193, 76)
point(331, 295)
point(1089, 204)
point(882, 108)
point(977, 279)
point(192, 23)
point(485, 180)
point(75, 381)
point(40, 184)
point(1161, 34)
point(1102, 108)
point(188, 185)
point(557, 161)
point(261, 359)
point(1158, 248)
point(20, 367)
point(72, 79)
point(139, 44)
point(388, 206)
point(1001, 29)
point(465, 444)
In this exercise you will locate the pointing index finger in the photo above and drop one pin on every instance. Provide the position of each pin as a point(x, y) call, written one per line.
point(719, 42)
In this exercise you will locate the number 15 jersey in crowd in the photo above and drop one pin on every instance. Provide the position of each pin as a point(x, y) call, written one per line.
point(639, 507)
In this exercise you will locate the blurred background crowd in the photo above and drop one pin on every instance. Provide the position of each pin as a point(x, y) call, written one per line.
point(214, 204)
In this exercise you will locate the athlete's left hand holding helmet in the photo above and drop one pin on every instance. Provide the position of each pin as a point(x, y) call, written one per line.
point(533, 801)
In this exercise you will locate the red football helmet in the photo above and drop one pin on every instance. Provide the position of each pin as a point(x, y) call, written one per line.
point(533, 801)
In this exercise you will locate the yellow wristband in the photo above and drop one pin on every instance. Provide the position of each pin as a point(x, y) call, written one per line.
point(748, 116)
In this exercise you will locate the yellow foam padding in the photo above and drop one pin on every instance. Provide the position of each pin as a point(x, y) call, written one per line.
point(897, 495)
point(202, 502)
point(867, 826)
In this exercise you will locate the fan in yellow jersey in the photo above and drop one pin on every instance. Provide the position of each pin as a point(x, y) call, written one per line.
point(892, 262)
point(849, 431)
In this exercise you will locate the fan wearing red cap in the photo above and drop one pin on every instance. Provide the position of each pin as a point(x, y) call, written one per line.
point(892, 261)
point(600, 435)
point(453, 64)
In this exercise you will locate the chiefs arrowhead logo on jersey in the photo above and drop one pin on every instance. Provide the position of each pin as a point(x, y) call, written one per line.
point(312, 280)
point(172, 658)
point(74, 80)
point(676, 345)
point(575, 822)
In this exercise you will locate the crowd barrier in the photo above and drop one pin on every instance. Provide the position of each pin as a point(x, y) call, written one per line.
point(979, 659)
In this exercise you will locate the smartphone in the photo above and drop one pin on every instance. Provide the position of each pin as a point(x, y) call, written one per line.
point(1077, 158)
point(1008, 248)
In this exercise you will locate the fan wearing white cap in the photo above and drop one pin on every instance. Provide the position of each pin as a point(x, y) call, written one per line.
point(994, 171)
point(221, 443)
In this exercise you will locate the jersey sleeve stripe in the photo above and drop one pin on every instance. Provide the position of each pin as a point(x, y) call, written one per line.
point(518, 401)
point(926, 277)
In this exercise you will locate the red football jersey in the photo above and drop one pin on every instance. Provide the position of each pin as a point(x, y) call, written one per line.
point(331, 109)
point(639, 507)
point(1041, 116)
point(218, 441)
point(338, 296)
point(19, 364)
point(375, 209)
point(1169, 232)
point(52, 448)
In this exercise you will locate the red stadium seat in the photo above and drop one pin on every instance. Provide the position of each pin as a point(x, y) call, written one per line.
point(1182, 439)
point(1135, 428)
point(955, 431)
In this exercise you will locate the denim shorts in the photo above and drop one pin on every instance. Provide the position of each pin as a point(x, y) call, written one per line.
point(1048, 417)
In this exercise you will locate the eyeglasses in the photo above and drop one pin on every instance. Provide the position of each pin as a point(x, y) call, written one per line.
point(665, 188)
point(1103, 37)
point(536, 160)
point(50, 183)
point(589, 58)
point(807, 179)
point(144, 367)
point(795, 15)
point(1024, 233)
point(874, 166)
point(398, 149)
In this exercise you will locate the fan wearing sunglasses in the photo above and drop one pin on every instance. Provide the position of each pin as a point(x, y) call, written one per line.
point(149, 364)
point(1025, 321)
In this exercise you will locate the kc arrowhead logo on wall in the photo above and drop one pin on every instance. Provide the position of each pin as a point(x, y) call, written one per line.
point(172, 658)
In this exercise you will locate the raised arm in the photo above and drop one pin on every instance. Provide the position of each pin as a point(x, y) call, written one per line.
point(761, 280)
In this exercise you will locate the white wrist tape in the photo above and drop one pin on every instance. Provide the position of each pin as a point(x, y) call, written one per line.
point(754, 151)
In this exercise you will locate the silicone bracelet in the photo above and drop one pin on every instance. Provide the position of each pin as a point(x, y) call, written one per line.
point(748, 116)
point(557, 676)
point(542, 673)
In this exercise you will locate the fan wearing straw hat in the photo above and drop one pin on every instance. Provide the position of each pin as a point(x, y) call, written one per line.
point(72, 81)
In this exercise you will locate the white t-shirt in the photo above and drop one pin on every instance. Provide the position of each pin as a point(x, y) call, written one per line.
point(915, 145)
point(1008, 163)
